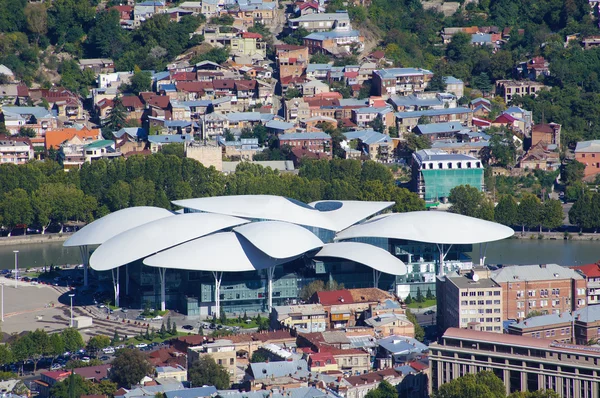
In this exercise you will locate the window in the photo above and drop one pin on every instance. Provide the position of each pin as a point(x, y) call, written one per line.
point(496, 310)
point(531, 293)
point(543, 303)
point(531, 303)
point(481, 294)
point(520, 304)
point(497, 302)
point(472, 294)
point(480, 302)
point(464, 294)
point(497, 293)
point(472, 302)
point(464, 302)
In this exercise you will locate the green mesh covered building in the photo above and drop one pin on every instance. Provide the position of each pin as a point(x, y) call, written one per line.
point(436, 172)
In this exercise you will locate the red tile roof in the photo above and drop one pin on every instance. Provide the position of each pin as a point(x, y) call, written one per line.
point(373, 377)
point(306, 5)
point(589, 270)
point(334, 297)
point(57, 375)
point(95, 373)
point(504, 118)
point(418, 366)
point(160, 101)
point(321, 358)
point(250, 35)
point(132, 101)
point(184, 76)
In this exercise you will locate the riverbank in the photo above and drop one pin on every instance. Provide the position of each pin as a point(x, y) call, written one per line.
point(557, 236)
point(30, 239)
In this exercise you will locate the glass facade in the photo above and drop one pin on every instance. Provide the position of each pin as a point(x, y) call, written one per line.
point(439, 183)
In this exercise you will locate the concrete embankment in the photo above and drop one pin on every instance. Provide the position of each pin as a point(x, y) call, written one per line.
point(29, 239)
point(556, 235)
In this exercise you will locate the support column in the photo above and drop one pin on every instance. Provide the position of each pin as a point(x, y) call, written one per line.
point(127, 280)
point(163, 304)
point(376, 276)
point(443, 255)
point(116, 285)
point(270, 276)
point(218, 276)
point(85, 259)
point(482, 253)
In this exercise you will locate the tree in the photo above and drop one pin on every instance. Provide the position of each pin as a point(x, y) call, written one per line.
point(419, 332)
point(319, 58)
point(429, 295)
point(39, 345)
point(415, 142)
point(573, 171)
point(27, 132)
point(292, 92)
point(116, 116)
point(57, 346)
point(481, 385)
point(534, 313)
point(529, 211)
point(383, 390)
point(420, 297)
point(482, 82)
point(503, 150)
point(469, 201)
point(72, 339)
point(141, 81)
point(437, 83)
point(118, 195)
point(37, 19)
point(506, 211)
point(116, 338)
point(76, 386)
point(535, 394)
point(129, 367)
point(206, 372)
point(258, 356)
point(96, 343)
point(15, 209)
point(552, 214)
point(408, 300)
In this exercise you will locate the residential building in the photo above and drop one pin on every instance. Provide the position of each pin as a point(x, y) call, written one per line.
point(95, 374)
point(166, 373)
point(441, 131)
point(214, 124)
point(454, 86)
point(590, 42)
point(97, 65)
point(400, 349)
point(588, 153)
point(591, 273)
point(322, 362)
point(66, 104)
point(376, 146)
point(456, 147)
point(192, 392)
point(242, 43)
point(522, 363)
point(305, 318)
point(254, 12)
point(400, 81)
point(35, 117)
point(194, 6)
point(406, 121)
point(410, 381)
point(556, 327)
point(472, 302)
point(541, 157)
point(54, 138)
point(321, 22)
point(48, 379)
point(510, 88)
point(318, 142)
point(335, 42)
point(157, 142)
point(292, 60)
point(534, 68)
point(262, 374)
point(546, 288)
point(389, 324)
point(436, 172)
point(548, 133)
point(418, 102)
point(101, 149)
point(294, 392)
point(222, 351)
point(587, 325)
point(314, 87)
point(15, 150)
point(363, 117)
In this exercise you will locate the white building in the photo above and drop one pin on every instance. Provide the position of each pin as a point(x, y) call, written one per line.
point(15, 151)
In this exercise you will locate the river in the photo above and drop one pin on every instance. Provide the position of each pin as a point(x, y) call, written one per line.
point(509, 251)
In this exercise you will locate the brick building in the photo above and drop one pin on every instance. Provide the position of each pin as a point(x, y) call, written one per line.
point(400, 81)
point(292, 60)
point(588, 153)
point(315, 142)
point(556, 327)
point(591, 273)
point(547, 288)
point(548, 133)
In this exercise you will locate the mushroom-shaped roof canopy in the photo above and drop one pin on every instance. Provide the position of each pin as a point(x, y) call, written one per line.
point(279, 239)
point(158, 235)
point(344, 213)
point(113, 224)
point(221, 252)
point(430, 227)
point(369, 255)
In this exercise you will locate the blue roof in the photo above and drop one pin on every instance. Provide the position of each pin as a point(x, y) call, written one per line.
point(353, 102)
point(434, 128)
point(332, 34)
point(588, 314)
point(368, 136)
point(406, 370)
point(200, 103)
point(452, 80)
point(180, 123)
point(304, 136)
point(168, 87)
point(402, 345)
point(37, 111)
point(151, 3)
point(316, 67)
point(161, 75)
point(266, 370)
point(516, 109)
point(279, 125)
point(413, 100)
point(481, 100)
point(134, 132)
point(395, 72)
point(443, 144)
point(372, 109)
point(543, 320)
point(197, 392)
point(433, 112)
point(481, 38)
point(298, 392)
point(169, 138)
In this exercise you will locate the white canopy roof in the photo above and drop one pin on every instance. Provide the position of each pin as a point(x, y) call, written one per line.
point(223, 252)
point(369, 255)
point(161, 234)
point(278, 208)
point(431, 227)
point(279, 239)
point(113, 224)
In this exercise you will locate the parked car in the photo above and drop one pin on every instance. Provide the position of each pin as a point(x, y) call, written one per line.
point(56, 366)
point(429, 312)
point(85, 359)
point(187, 327)
point(141, 345)
point(108, 350)
point(104, 358)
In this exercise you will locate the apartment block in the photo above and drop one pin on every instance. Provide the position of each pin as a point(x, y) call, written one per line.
point(400, 81)
point(522, 363)
point(511, 88)
point(15, 150)
point(547, 288)
point(469, 302)
point(588, 153)
point(556, 327)
point(222, 351)
point(292, 60)
point(314, 142)
point(591, 273)
point(321, 22)
point(307, 318)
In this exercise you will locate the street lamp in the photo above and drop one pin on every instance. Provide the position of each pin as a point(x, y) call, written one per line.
point(16, 266)
point(71, 296)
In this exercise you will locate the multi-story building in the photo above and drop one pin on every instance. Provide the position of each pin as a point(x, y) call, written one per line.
point(556, 327)
point(307, 318)
point(97, 65)
point(436, 172)
point(292, 60)
point(318, 142)
point(510, 88)
point(15, 150)
point(35, 117)
point(376, 146)
point(222, 351)
point(470, 302)
point(400, 81)
point(588, 153)
point(522, 363)
point(548, 133)
point(545, 288)
point(243, 43)
point(406, 121)
point(591, 273)
point(321, 22)
point(400, 349)
point(335, 42)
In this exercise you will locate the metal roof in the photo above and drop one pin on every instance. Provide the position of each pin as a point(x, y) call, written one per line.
point(542, 320)
point(267, 370)
point(304, 136)
point(399, 72)
point(434, 128)
point(588, 146)
point(369, 255)
point(433, 112)
point(402, 345)
point(333, 34)
point(535, 272)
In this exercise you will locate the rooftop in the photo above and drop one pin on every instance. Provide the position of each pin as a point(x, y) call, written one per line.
point(463, 282)
point(334, 297)
point(434, 155)
point(332, 34)
point(542, 321)
point(589, 270)
point(332, 16)
point(402, 345)
point(434, 128)
point(433, 112)
point(399, 72)
point(542, 272)
point(588, 146)
point(267, 370)
point(368, 137)
point(304, 136)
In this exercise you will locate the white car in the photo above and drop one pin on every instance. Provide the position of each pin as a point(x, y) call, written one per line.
point(141, 345)
point(157, 318)
point(108, 350)
point(85, 359)
point(56, 366)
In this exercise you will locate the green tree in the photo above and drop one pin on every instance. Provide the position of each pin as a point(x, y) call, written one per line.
point(292, 92)
point(15, 209)
point(116, 117)
point(6, 355)
point(258, 356)
point(552, 214)
point(420, 297)
point(481, 385)
point(581, 214)
point(319, 58)
point(116, 339)
point(37, 19)
point(206, 372)
point(535, 394)
point(97, 343)
point(482, 82)
point(419, 332)
point(72, 339)
point(529, 212)
point(502, 149)
point(437, 83)
point(141, 81)
point(129, 367)
point(506, 210)
point(429, 295)
point(415, 142)
point(57, 346)
point(118, 196)
point(573, 171)
point(40, 346)
point(534, 313)
point(469, 201)
point(27, 132)
point(383, 390)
